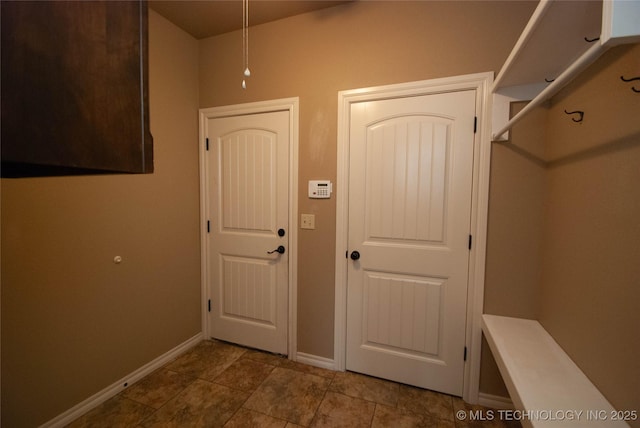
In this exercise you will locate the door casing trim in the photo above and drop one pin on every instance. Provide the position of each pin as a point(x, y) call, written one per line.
point(292, 106)
point(481, 82)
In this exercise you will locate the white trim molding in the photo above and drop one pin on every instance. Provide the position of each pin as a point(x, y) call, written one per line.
point(120, 385)
point(316, 361)
point(481, 83)
point(291, 105)
point(495, 401)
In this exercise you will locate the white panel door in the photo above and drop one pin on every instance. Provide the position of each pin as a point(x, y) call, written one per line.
point(410, 177)
point(248, 192)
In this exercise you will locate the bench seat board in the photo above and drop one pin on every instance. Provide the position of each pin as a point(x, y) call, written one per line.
point(541, 378)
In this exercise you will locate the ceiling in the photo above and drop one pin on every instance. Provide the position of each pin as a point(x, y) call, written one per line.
point(212, 17)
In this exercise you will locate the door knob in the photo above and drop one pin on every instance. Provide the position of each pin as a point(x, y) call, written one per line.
point(280, 250)
point(355, 255)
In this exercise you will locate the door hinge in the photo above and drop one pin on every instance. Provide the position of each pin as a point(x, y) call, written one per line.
point(475, 125)
point(209, 305)
point(208, 226)
point(470, 240)
point(465, 353)
point(207, 142)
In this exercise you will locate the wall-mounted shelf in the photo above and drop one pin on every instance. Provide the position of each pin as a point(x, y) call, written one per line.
point(560, 40)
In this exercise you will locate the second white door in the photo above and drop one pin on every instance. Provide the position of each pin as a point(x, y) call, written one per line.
point(248, 176)
point(410, 178)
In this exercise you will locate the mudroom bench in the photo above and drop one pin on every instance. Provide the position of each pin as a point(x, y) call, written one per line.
point(547, 388)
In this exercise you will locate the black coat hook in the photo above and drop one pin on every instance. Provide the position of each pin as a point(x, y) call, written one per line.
point(548, 80)
point(586, 39)
point(633, 88)
point(578, 112)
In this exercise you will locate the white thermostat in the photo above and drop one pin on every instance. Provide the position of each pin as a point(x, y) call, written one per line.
point(320, 189)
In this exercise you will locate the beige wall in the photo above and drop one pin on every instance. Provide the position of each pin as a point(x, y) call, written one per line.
point(590, 285)
point(515, 231)
point(313, 56)
point(516, 209)
point(73, 322)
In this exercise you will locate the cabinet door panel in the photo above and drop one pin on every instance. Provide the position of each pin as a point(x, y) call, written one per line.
point(74, 88)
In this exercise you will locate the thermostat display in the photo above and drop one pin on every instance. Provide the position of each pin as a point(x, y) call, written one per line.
point(320, 189)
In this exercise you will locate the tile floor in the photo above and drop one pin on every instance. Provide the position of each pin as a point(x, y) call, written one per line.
point(217, 384)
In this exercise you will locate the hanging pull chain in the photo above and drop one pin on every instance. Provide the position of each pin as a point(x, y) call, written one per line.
point(245, 41)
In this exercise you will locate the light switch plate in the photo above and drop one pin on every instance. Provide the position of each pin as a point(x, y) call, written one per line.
point(307, 221)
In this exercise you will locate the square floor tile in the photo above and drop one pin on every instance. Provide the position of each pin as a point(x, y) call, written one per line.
point(115, 412)
point(207, 360)
point(386, 416)
point(201, 404)
point(244, 374)
point(366, 387)
point(425, 402)
point(157, 388)
point(245, 418)
point(338, 410)
point(290, 395)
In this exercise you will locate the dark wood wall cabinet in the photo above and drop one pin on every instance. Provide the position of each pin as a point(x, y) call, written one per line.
point(74, 88)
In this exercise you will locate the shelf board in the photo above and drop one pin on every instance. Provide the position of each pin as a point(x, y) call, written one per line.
point(553, 39)
point(553, 49)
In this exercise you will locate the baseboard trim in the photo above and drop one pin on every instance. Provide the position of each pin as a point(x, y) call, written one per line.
point(314, 360)
point(119, 386)
point(495, 401)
